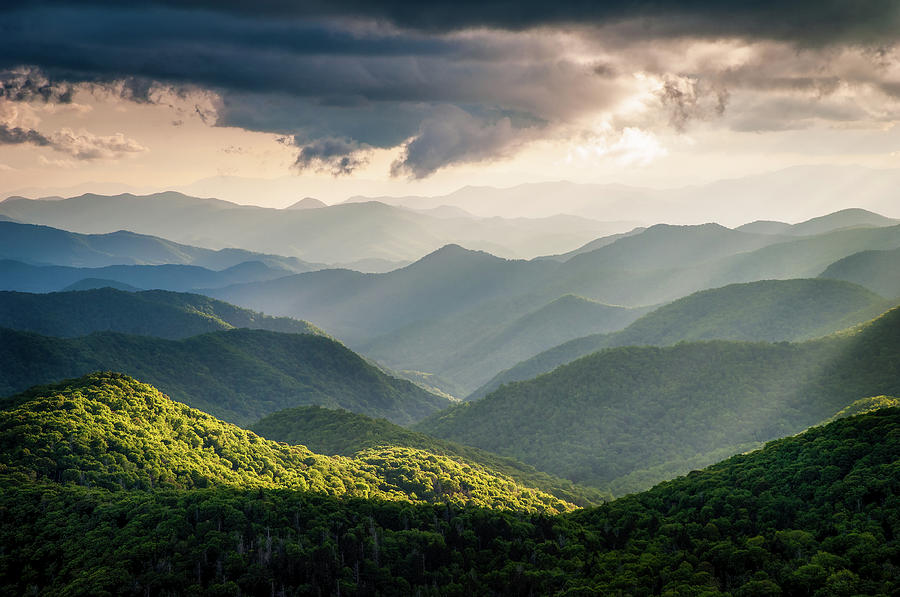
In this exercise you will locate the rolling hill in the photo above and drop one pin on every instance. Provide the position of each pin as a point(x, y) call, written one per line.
point(156, 313)
point(622, 419)
point(329, 431)
point(152, 442)
point(769, 310)
point(811, 514)
point(878, 270)
point(237, 375)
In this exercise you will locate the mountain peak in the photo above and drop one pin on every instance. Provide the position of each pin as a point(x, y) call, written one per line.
point(308, 203)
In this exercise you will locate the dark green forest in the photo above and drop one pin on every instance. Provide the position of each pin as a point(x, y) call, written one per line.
point(237, 375)
point(815, 514)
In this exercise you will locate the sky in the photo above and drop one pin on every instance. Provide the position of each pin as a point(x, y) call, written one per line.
point(350, 97)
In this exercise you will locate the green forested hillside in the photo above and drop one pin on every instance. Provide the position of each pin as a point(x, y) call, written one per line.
point(622, 419)
point(878, 270)
point(237, 375)
point(769, 310)
point(122, 434)
point(151, 313)
point(329, 431)
point(814, 514)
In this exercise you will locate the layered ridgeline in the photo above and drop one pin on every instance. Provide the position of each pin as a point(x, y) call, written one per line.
point(24, 277)
point(333, 234)
point(769, 310)
point(622, 419)
point(813, 514)
point(45, 245)
point(447, 313)
point(157, 313)
point(237, 375)
point(121, 434)
point(330, 431)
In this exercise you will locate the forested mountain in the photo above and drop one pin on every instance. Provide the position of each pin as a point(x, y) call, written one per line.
point(811, 514)
point(625, 418)
point(152, 442)
point(157, 313)
point(769, 310)
point(333, 234)
point(15, 275)
point(330, 431)
point(845, 218)
point(237, 375)
point(42, 245)
point(878, 270)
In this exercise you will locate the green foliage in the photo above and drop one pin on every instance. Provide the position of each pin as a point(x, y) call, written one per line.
point(238, 375)
point(157, 313)
point(108, 430)
point(341, 432)
point(603, 418)
point(768, 310)
point(815, 514)
point(866, 405)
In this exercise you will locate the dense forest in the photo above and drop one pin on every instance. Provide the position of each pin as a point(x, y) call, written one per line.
point(814, 514)
point(625, 418)
point(237, 375)
point(119, 434)
point(330, 431)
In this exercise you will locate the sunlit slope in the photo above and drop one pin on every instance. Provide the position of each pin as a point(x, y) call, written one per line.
point(811, 514)
point(122, 434)
point(769, 310)
point(471, 347)
point(237, 375)
point(624, 418)
point(157, 313)
point(329, 431)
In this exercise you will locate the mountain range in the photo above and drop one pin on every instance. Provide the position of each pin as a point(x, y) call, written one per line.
point(339, 234)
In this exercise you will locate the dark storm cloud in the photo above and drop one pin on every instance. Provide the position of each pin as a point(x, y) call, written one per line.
point(341, 78)
point(336, 156)
point(17, 135)
point(804, 21)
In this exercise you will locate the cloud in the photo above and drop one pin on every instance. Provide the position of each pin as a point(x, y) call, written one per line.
point(83, 145)
point(689, 99)
point(808, 22)
point(336, 156)
point(459, 82)
point(453, 136)
point(17, 135)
